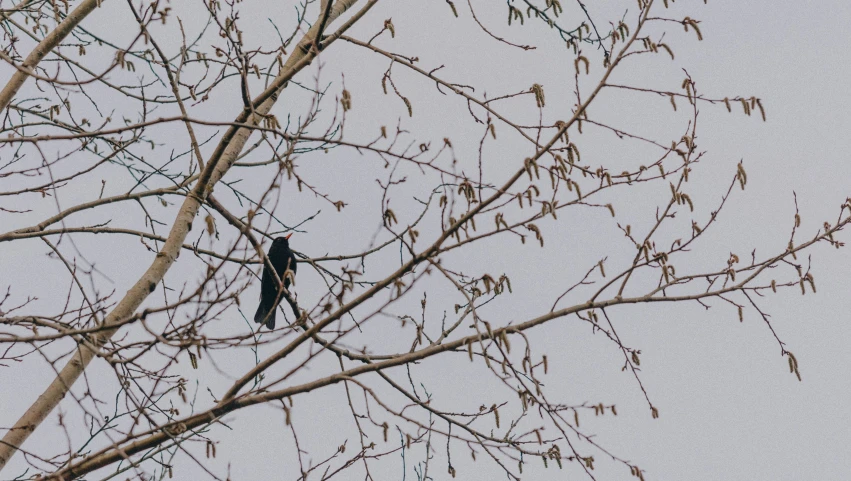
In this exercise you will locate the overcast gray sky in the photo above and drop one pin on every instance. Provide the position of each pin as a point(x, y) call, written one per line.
point(729, 409)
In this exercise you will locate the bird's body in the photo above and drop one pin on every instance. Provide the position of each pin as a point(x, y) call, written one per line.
point(282, 259)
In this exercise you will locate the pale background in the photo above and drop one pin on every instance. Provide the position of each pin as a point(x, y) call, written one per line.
point(729, 409)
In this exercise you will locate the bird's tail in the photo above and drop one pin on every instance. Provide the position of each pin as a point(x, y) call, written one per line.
point(264, 314)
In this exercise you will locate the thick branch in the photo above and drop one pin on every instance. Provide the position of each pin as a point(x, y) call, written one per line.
point(39, 52)
point(222, 159)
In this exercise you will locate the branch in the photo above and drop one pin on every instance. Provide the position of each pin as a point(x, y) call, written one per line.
point(220, 162)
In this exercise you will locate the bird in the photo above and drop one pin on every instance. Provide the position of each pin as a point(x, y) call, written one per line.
point(282, 259)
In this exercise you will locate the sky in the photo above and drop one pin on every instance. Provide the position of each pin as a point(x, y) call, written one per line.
point(729, 408)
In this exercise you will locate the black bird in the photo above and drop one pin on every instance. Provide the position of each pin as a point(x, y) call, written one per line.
point(282, 259)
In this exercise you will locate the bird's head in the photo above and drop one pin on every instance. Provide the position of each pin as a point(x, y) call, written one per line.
point(282, 241)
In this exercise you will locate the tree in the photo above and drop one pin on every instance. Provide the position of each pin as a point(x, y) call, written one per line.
point(127, 120)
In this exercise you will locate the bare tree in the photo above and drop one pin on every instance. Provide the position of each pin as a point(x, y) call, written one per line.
point(133, 121)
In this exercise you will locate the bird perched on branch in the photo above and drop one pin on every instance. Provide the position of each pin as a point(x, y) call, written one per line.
point(283, 260)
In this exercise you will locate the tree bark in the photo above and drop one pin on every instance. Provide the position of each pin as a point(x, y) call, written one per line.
point(42, 49)
point(220, 162)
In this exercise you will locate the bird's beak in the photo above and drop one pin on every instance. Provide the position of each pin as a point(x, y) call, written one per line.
point(287, 237)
